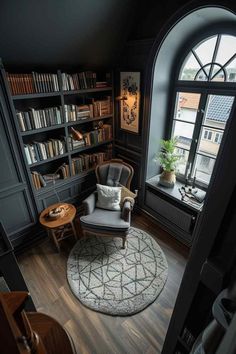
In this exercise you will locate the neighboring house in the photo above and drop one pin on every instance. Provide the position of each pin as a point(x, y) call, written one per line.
point(216, 115)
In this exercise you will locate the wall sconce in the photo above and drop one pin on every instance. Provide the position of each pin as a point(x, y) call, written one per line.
point(121, 98)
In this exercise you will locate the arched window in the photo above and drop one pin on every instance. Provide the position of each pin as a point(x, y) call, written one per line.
point(204, 96)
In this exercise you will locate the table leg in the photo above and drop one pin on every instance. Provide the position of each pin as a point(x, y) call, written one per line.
point(73, 229)
point(53, 234)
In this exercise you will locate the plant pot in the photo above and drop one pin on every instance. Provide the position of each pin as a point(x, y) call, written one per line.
point(167, 179)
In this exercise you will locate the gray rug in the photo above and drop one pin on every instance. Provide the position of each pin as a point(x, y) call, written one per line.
point(117, 281)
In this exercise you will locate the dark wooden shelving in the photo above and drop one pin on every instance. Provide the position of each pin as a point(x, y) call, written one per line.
point(72, 187)
point(88, 147)
point(36, 95)
point(59, 93)
point(75, 92)
point(42, 130)
point(48, 160)
point(83, 121)
point(59, 126)
point(64, 181)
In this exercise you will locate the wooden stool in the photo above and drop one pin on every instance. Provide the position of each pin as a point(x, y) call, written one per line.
point(61, 228)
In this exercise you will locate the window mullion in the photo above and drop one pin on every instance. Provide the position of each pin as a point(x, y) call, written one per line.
point(214, 55)
point(196, 134)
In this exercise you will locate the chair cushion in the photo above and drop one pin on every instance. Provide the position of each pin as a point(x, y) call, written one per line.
point(126, 193)
point(108, 197)
point(104, 219)
point(118, 173)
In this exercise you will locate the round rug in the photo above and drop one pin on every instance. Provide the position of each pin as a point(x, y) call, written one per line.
point(117, 281)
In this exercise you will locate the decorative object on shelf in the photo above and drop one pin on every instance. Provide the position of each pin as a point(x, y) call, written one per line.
point(168, 160)
point(129, 101)
point(76, 134)
point(114, 281)
point(194, 194)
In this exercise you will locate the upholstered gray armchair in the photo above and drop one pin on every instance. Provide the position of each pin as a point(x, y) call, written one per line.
point(109, 222)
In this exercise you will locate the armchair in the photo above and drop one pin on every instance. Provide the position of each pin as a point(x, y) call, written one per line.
point(104, 222)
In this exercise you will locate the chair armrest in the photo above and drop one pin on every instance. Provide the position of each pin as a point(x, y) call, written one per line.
point(89, 203)
point(126, 210)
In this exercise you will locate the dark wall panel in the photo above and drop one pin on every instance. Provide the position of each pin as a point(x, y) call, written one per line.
point(15, 212)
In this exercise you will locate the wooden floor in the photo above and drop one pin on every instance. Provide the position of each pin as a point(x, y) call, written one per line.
point(45, 273)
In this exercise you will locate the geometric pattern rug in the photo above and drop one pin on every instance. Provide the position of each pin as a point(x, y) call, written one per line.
point(116, 281)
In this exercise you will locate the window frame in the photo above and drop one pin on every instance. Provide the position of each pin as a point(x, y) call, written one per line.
point(204, 88)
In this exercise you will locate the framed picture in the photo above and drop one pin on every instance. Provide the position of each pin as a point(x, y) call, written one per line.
point(129, 101)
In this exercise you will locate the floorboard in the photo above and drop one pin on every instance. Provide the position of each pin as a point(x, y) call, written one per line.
point(94, 333)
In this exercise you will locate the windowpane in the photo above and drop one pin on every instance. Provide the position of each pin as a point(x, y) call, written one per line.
point(227, 49)
point(184, 132)
point(218, 110)
point(181, 166)
point(190, 68)
point(205, 62)
point(231, 71)
point(187, 106)
point(209, 142)
point(218, 138)
point(205, 50)
point(220, 74)
point(203, 167)
point(203, 74)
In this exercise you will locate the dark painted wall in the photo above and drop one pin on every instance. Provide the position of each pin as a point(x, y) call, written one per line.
point(64, 33)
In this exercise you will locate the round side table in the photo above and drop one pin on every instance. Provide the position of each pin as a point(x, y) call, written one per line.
point(62, 227)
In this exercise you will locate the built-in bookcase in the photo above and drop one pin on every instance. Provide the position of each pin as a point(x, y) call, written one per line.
point(49, 110)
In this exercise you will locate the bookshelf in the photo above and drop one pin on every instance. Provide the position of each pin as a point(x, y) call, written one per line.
point(48, 108)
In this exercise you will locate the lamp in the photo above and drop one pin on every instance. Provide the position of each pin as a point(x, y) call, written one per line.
point(121, 98)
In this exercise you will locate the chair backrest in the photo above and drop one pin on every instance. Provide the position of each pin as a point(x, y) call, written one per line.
point(114, 172)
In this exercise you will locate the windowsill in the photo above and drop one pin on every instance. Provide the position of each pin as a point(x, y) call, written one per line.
point(173, 193)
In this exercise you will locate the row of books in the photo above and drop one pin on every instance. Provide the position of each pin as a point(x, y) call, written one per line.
point(48, 82)
point(46, 117)
point(39, 151)
point(97, 108)
point(80, 164)
point(33, 83)
point(102, 107)
point(74, 112)
point(85, 162)
point(39, 118)
point(40, 180)
point(98, 135)
point(75, 144)
point(83, 80)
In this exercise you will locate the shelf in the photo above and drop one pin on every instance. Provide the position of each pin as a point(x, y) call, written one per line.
point(75, 92)
point(42, 130)
point(38, 100)
point(61, 182)
point(49, 160)
point(82, 121)
point(84, 148)
point(36, 95)
point(59, 126)
point(173, 193)
point(58, 93)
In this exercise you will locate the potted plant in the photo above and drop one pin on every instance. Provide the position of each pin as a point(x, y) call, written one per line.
point(168, 160)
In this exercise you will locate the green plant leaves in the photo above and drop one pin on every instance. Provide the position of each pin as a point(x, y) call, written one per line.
point(167, 158)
